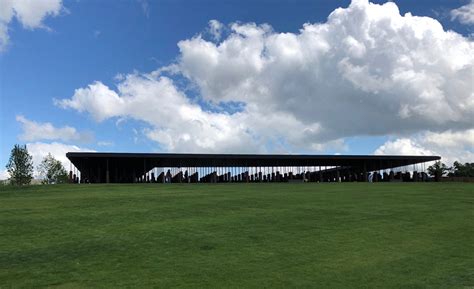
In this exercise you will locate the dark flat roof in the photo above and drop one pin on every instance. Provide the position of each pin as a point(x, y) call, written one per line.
point(151, 160)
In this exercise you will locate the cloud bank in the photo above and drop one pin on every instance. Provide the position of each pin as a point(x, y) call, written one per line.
point(366, 71)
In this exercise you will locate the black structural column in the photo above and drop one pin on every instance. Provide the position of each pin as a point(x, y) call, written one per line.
point(364, 177)
point(107, 175)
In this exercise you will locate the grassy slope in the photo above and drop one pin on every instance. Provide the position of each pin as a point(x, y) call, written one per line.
point(238, 236)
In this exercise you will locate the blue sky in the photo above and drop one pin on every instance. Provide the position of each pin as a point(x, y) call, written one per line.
point(79, 43)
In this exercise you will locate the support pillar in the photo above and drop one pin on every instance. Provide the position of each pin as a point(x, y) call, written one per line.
point(364, 172)
point(107, 174)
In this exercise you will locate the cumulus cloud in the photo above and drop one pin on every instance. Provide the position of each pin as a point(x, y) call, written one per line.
point(451, 145)
point(30, 13)
point(402, 146)
point(366, 71)
point(176, 122)
point(38, 150)
point(34, 131)
point(464, 14)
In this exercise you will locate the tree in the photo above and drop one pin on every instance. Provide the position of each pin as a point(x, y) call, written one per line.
point(20, 166)
point(52, 170)
point(462, 170)
point(437, 170)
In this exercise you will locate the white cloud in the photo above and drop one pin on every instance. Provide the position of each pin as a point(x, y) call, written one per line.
point(38, 150)
point(4, 175)
point(215, 29)
point(34, 131)
point(366, 71)
point(402, 146)
point(451, 145)
point(30, 13)
point(464, 14)
point(177, 123)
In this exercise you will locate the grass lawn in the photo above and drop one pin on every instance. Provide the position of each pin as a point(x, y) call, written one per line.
point(348, 235)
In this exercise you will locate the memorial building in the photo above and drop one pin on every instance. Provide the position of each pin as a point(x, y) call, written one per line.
point(92, 167)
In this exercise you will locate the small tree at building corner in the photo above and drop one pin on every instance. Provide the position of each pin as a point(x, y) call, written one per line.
point(52, 171)
point(20, 166)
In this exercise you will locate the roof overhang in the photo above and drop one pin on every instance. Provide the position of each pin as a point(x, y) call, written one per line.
point(151, 160)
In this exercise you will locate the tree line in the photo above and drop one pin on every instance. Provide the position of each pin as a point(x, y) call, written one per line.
point(439, 169)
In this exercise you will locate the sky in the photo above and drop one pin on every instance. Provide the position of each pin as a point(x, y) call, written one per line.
point(316, 77)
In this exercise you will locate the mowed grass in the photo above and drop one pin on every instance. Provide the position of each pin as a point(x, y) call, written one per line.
point(348, 235)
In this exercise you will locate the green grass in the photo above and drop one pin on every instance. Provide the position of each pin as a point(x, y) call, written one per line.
point(238, 236)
